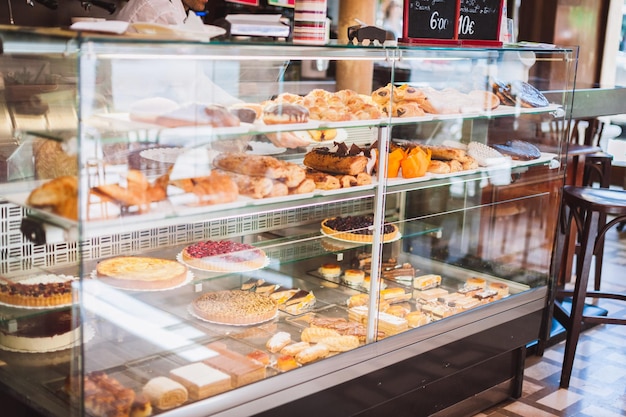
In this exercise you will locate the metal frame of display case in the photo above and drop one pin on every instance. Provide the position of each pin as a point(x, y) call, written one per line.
point(460, 364)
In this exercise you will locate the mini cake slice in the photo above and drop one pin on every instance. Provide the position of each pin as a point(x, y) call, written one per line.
point(242, 370)
point(201, 380)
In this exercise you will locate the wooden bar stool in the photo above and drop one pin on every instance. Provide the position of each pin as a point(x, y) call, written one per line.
point(585, 205)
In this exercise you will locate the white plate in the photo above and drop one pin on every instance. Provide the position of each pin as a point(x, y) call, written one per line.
point(266, 262)
point(188, 279)
point(190, 310)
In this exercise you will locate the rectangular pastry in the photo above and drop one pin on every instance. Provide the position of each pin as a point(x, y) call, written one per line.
point(201, 380)
point(242, 370)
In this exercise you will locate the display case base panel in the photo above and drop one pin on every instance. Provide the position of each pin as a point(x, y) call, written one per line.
point(458, 379)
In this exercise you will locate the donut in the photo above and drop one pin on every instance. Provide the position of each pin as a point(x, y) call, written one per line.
point(283, 113)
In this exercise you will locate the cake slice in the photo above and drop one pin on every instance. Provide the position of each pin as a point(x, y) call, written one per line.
point(201, 380)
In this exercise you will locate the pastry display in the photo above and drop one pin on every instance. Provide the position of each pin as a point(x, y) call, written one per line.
point(518, 150)
point(356, 229)
point(47, 332)
point(201, 380)
point(234, 307)
point(105, 396)
point(141, 273)
point(223, 256)
point(241, 369)
point(39, 291)
point(59, 196)
point(165, 393)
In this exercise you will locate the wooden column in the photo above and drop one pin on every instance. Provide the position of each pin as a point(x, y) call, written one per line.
point(355, 75)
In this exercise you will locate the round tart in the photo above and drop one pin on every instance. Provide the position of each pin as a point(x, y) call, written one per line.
point(356, 229)
point(234, 307)
point(223, 256)
point(141, 273)
point(39, 291)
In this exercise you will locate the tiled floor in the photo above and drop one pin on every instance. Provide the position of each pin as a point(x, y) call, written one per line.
point(598, 384)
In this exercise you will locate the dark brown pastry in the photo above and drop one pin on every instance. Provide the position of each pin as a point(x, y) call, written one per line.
point(518, 150)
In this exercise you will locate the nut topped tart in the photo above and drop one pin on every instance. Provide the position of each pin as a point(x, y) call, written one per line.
point(235, 307)
point(357, 229)
point(223, 256)
point(40, 291)
point(141, 273)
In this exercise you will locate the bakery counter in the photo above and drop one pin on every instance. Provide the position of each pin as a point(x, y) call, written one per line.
point(135, 336)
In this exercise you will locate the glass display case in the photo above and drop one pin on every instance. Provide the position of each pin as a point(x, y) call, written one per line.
point(193, 229)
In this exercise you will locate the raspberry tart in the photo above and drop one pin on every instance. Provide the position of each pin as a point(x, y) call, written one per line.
point(234, 307)
point(223, 256)
point(357, 229)
point(40, 291)
point(141, 273)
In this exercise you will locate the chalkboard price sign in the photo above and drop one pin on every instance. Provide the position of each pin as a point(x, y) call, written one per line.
point(480, 19)
point(431, 19)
